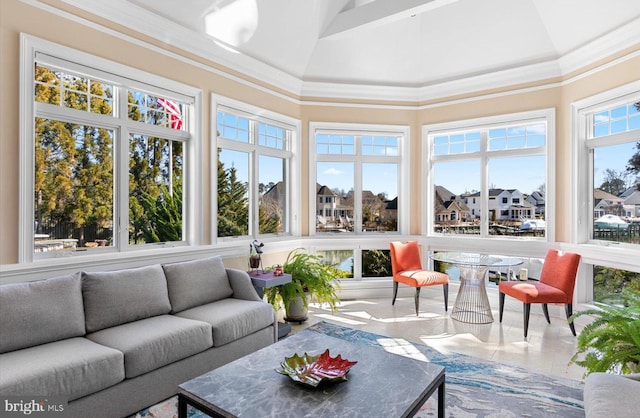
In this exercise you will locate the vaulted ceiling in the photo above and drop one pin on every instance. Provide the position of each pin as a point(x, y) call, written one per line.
point(396, 48)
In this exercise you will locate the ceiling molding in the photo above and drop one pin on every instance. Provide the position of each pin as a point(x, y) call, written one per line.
point(127, 14)
point(359, 92)
point(130, 15)
point(620, 39)
point(495, 79)
point(488, 81)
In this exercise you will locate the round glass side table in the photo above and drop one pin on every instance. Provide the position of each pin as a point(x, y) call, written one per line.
point(472, 303)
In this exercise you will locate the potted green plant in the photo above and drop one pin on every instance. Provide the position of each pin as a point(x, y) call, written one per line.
point(310, 277)
point(611, 343)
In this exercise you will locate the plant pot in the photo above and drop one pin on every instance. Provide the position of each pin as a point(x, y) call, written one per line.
point(296, 311)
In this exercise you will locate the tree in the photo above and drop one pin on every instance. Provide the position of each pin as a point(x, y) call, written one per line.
point(164, 215)
point(233, 203)
point(155, 175)
point(340, 192)
point(614, 182)
point(633, 166)
point(264, 188)
point(73, 170)
point(376, 263)
point(270, 214)
point(609, 283)
point(145, 178)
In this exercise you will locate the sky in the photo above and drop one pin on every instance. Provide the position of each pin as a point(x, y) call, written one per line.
point(614, 157)
point(525, 173)
point(376, 177)
point(270, 169)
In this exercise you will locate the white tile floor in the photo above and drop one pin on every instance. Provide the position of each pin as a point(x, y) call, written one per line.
point(547, 349)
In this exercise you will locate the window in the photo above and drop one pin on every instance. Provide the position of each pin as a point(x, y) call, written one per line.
point(484, 170)
point(357, 169)
point(254, 166)
point(376, 263)
point(340, 259)
point(613, 140)
point(358, 264)
point(607, 225)
point(609, 283)
point(108, 156)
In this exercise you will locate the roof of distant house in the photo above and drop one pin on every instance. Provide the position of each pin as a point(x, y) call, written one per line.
point(602, 195)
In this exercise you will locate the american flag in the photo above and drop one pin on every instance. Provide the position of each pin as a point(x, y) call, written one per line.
point(173, 109)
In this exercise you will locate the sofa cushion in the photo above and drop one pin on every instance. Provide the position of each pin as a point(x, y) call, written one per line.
point(151, 343)
point(116, 297)
point(609, 395)
point(40, 312)
point(231, 318)
point(197, 282)
point(71, 368)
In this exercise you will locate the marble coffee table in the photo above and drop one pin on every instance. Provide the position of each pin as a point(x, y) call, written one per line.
point(382, 384)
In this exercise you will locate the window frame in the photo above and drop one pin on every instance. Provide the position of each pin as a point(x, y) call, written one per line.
point(595, 252)
point(485, 242)
point(358, 159)
point(254, 150)
point(51, 55)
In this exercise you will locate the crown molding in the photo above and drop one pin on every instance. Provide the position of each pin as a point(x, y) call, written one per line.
point(620, 39)
point(319, 89)
point(130, 15)
point(460, 86)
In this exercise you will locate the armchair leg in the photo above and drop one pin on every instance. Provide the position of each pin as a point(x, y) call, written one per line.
point(545, 309)
point(417, 299)
point(569, 310)
point(527, 312)
point(446, 296)
point(501, 305)
point(395, 292)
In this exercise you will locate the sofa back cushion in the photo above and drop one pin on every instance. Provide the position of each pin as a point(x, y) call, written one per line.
point(197, 282)
point(117, 297)
point(40, 312)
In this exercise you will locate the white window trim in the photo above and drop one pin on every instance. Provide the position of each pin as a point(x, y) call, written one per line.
point(292, 170)
point(621, 256)
point(32, 47)
point(485, 244)
point(404, 178)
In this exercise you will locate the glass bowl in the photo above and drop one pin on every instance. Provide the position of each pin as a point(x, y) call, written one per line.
point(314, 370)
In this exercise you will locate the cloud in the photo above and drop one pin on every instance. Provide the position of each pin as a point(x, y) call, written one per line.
point(601, 118)
point(333, 172)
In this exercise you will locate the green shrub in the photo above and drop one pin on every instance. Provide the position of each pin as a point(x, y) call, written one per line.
point(611, 343)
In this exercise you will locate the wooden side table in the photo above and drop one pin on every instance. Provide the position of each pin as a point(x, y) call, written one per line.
point(264, 279)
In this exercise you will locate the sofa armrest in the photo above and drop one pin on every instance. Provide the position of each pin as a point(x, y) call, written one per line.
point(610, 395)
point(241, 285)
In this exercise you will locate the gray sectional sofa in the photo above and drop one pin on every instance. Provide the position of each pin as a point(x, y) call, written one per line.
point(112, 343)
point(611, 396)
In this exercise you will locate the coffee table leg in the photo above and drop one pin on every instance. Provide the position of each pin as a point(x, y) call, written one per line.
point(441, 400)
point(182, 407)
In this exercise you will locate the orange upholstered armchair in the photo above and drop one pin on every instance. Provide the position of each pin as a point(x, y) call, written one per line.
point(407, 268)
point(557, 281)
